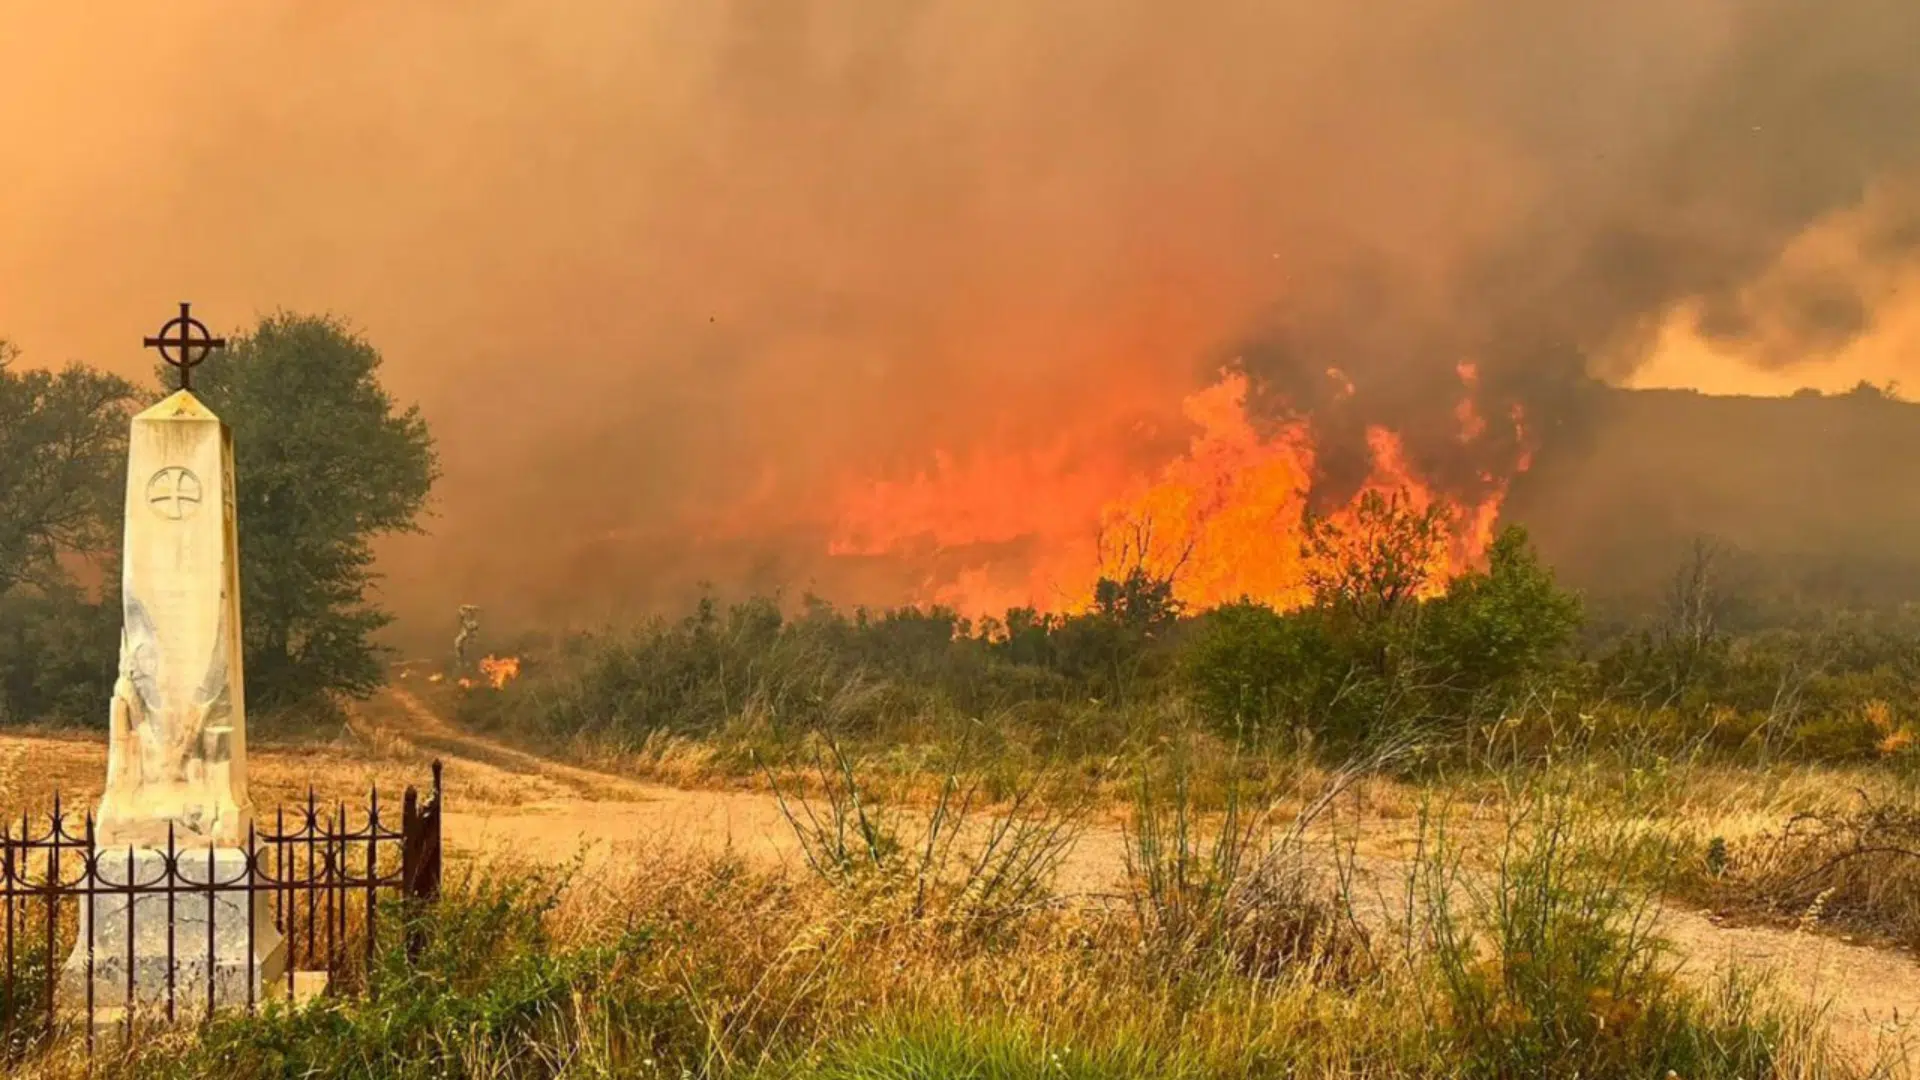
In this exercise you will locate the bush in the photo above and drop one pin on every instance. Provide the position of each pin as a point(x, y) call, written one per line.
point(1829, 689)
point(1857, 868)
point(26, 1007)
point(749, 668)
point(1370, 658)
point(1250, 668)
point(1236, 893)
point(965, 870)
point(692, 677)
point(1494, 629)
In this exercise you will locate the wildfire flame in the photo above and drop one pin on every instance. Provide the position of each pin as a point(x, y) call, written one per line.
point(499, 670)
point(1224, 519)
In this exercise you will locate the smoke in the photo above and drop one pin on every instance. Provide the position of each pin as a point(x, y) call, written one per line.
point(1763, 199)
point(667, 277)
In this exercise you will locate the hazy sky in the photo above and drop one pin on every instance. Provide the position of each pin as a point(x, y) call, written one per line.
point(667, 275)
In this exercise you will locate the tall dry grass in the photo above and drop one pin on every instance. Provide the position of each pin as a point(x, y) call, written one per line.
point(870, 961)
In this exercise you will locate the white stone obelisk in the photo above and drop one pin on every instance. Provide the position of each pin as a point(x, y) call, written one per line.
point(177, 749)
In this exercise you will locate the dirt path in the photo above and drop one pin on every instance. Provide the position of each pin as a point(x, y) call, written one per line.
point(1872, 995)
point(567, 811)
point(506, 803)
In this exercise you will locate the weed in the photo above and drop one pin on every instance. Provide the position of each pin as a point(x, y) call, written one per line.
point(966, 869)
point(1550, 966)
point(1235, 888)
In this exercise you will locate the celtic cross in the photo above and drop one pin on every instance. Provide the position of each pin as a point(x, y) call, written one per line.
point(193, 343)
point(174, 493)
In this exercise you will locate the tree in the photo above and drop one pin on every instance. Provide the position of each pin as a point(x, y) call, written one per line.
point(1496, 627)
point(326, 461)
point(1109, 648)
point(62, 464)
point(1379, 559)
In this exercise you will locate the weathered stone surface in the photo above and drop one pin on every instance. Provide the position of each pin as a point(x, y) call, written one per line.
point(177, 751)
point(242, 946)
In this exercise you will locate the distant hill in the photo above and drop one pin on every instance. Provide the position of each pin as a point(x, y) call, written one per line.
point(1816, 497)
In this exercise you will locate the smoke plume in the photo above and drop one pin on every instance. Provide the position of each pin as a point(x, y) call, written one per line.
point(670, 278)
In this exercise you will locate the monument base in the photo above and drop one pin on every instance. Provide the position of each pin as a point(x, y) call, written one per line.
point(217, 942)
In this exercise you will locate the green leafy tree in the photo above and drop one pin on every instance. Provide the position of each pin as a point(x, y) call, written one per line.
point(326, 461)
point(62, 461)
point(57, 645)
point(1496, 627)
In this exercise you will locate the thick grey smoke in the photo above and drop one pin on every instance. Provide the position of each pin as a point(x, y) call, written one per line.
point(667, 276)
point(1655, 197)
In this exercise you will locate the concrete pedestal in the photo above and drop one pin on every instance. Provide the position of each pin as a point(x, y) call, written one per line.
point(213, 938)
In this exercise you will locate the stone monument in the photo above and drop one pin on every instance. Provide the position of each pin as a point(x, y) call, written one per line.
point(177, 749)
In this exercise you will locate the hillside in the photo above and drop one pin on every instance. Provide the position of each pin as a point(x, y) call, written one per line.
point(1818, 497)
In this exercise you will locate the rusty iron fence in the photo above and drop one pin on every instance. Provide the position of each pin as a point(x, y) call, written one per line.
point(316, 876)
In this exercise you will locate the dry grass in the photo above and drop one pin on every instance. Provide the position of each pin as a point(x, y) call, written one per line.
point(753, 970)
point(684, 963)
point(1854, 866)
point(1228, 955)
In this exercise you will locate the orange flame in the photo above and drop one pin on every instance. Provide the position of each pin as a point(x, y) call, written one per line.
point(1471, 424)
point(1224, 519)
point(499, 670)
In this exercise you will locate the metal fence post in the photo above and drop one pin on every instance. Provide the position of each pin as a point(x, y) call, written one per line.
point(419, 859)
point(34, 880)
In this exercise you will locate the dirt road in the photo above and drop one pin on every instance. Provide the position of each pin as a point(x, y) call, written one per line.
point(1872, 995)
point(506, 803)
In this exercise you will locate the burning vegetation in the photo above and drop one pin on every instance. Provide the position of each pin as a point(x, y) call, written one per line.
point(498, 671)
point(1233, 514)
point(495, 672)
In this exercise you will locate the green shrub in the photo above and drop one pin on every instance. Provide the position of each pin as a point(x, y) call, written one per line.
point(751, 667)
point(1370, 658)
point(1495, 629)
point(489, 996)
point(1553, 967)
point(1249, 667)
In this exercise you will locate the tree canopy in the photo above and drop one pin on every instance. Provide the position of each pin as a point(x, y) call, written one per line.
point(326, 462)
point(62, 460)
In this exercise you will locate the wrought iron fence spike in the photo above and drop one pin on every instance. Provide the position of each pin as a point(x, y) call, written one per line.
point(78, 873)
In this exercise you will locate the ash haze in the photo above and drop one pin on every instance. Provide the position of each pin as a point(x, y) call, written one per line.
point(668, 276)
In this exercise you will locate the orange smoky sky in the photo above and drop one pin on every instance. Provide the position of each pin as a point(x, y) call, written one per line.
point(667, 278)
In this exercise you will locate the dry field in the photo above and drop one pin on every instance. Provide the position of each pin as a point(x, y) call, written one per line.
point(510, 806)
